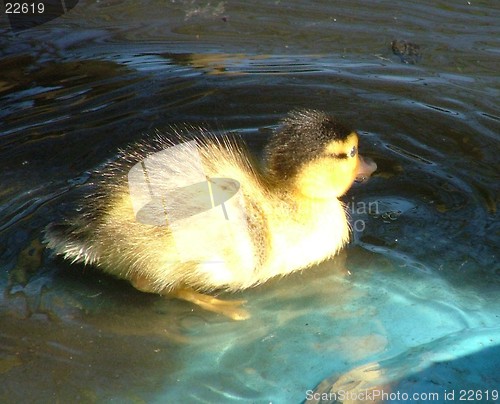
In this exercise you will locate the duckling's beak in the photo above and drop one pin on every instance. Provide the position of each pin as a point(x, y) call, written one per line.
point(366, 167)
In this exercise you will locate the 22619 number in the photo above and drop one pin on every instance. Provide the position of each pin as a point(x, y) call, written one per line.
point(24, 8)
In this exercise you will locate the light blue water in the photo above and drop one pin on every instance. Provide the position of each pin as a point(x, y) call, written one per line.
point(411, 306)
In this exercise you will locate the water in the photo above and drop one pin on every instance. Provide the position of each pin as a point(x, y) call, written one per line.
point(411, 306)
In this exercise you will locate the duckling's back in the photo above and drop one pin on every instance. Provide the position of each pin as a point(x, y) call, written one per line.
point(178, 242)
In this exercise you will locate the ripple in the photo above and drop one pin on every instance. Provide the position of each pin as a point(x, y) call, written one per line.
point(409, 154)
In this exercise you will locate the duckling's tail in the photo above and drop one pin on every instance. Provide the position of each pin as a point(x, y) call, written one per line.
point(64, 240)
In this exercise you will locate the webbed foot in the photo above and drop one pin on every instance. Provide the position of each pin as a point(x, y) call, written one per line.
point(228, 308)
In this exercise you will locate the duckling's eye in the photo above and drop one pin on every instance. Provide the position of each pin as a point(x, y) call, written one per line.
point(353, 152)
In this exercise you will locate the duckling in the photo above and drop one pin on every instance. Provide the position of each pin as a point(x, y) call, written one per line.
point(223, 222)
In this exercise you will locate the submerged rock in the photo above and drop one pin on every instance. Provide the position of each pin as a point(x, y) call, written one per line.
point(408, 52)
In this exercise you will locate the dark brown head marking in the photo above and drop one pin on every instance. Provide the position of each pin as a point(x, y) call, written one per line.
point(303, 136)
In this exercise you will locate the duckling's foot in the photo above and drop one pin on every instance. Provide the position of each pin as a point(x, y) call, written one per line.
point(228, 308)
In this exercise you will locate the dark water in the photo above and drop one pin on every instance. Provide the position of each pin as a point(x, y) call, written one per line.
point(413, 303)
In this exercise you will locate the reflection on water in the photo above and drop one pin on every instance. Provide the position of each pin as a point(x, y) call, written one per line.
point(419, 284)
point(393, 380)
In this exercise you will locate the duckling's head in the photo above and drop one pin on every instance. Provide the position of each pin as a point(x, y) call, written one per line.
point(316, 155)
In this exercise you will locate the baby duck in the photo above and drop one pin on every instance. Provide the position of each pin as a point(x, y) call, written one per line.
point(222, 223)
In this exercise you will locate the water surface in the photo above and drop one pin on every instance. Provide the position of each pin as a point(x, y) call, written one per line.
point(413, 298)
